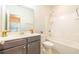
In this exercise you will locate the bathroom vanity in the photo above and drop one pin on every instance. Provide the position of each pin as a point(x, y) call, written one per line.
point(25, 44)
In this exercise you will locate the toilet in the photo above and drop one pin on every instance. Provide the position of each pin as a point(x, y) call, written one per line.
point(47, 46)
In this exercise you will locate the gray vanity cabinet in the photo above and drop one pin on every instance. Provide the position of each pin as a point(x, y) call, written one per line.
point(27, 45)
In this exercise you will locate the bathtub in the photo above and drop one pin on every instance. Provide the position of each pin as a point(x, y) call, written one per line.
point(65, 47)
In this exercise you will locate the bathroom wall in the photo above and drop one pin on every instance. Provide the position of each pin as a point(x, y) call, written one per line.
point(65, 25)
point(41, 19)
point(0, 20)
point(26, 15)
point(41, 15)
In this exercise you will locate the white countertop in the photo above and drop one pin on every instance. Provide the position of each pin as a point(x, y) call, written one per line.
point(13, 37)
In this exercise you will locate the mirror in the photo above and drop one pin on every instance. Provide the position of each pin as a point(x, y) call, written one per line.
point(20, 18)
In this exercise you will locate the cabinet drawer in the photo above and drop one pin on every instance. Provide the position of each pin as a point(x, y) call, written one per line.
point(13, 43)
point(15, 50)
point(34, 38)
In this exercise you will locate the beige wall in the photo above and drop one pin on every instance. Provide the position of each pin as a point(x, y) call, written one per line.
point(41, 18)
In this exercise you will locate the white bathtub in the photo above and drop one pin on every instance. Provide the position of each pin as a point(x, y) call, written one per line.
point(65, 47)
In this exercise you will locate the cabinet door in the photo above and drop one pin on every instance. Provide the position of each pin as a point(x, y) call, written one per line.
point(34, 47)
point(16, 50)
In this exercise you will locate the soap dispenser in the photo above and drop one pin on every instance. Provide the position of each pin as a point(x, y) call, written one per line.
point(4, 33)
